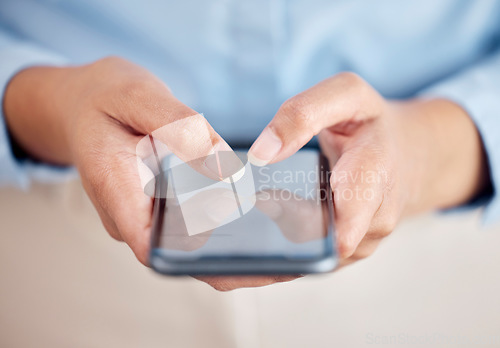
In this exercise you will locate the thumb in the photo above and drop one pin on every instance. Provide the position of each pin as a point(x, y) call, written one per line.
point(342, 98)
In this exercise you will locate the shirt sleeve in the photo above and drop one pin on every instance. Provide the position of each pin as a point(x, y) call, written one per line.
point(477, 90)
point(16, 55)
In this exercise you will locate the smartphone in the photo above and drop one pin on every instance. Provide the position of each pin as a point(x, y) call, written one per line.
point(276, 219)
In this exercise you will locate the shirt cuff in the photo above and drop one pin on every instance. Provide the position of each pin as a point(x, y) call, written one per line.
point(14, 172)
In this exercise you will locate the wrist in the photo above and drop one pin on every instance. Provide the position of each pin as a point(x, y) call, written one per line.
point(449, 166)
point(35, 112)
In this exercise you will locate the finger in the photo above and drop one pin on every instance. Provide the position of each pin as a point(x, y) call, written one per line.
point(358, 185)
point(129, 207)
point(341, 98)
point(365, 248)
point(228, 283)
point(148, 107)
point(112, 182)
point(109, 224)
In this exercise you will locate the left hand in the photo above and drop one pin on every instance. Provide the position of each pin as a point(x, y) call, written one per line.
point(388, 159)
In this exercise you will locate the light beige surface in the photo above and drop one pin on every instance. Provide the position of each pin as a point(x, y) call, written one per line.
point(65, 283)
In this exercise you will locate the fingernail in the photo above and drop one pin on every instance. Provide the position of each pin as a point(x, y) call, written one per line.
point(265, 148)
point(224, 163)
point(236, 176)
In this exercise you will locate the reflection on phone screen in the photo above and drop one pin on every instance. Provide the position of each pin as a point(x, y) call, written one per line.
point(281, 210)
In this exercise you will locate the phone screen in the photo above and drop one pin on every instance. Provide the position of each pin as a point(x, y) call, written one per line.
point(271, 219)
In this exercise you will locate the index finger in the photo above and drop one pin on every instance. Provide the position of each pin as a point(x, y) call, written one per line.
point(144, 105)
point(192, 140)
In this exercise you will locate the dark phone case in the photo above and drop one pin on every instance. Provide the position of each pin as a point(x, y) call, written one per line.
point(236, 265)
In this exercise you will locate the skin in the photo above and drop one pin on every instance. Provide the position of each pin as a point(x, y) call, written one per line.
point(93, 117)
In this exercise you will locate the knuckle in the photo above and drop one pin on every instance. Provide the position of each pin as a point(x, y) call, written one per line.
point(115, 235)
point(110, 227)
point(113, 232)
point(361, 254)
point(388, 226)
point(123, 78)
point(111, 60)
point(185, 127)
point(139, 245)
point(368, 100)
point(142, 256)
point(134, 89)
point(350, 79)
point(358, 256)
point(383, 228)
point(102, 67)
point(298, 111)
point(346, 248)
point(379, 233)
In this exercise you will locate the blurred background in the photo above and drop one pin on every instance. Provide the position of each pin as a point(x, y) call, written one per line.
point(65, 283)
point(433, 282)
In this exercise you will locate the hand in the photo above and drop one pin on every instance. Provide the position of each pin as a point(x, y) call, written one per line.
point(94, 117)
point(388, 158)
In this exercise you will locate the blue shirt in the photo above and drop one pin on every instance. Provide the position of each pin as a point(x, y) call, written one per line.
point(237, 61)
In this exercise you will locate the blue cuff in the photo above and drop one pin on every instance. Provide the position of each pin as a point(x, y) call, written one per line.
point(15, 57)
point(477, 91)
